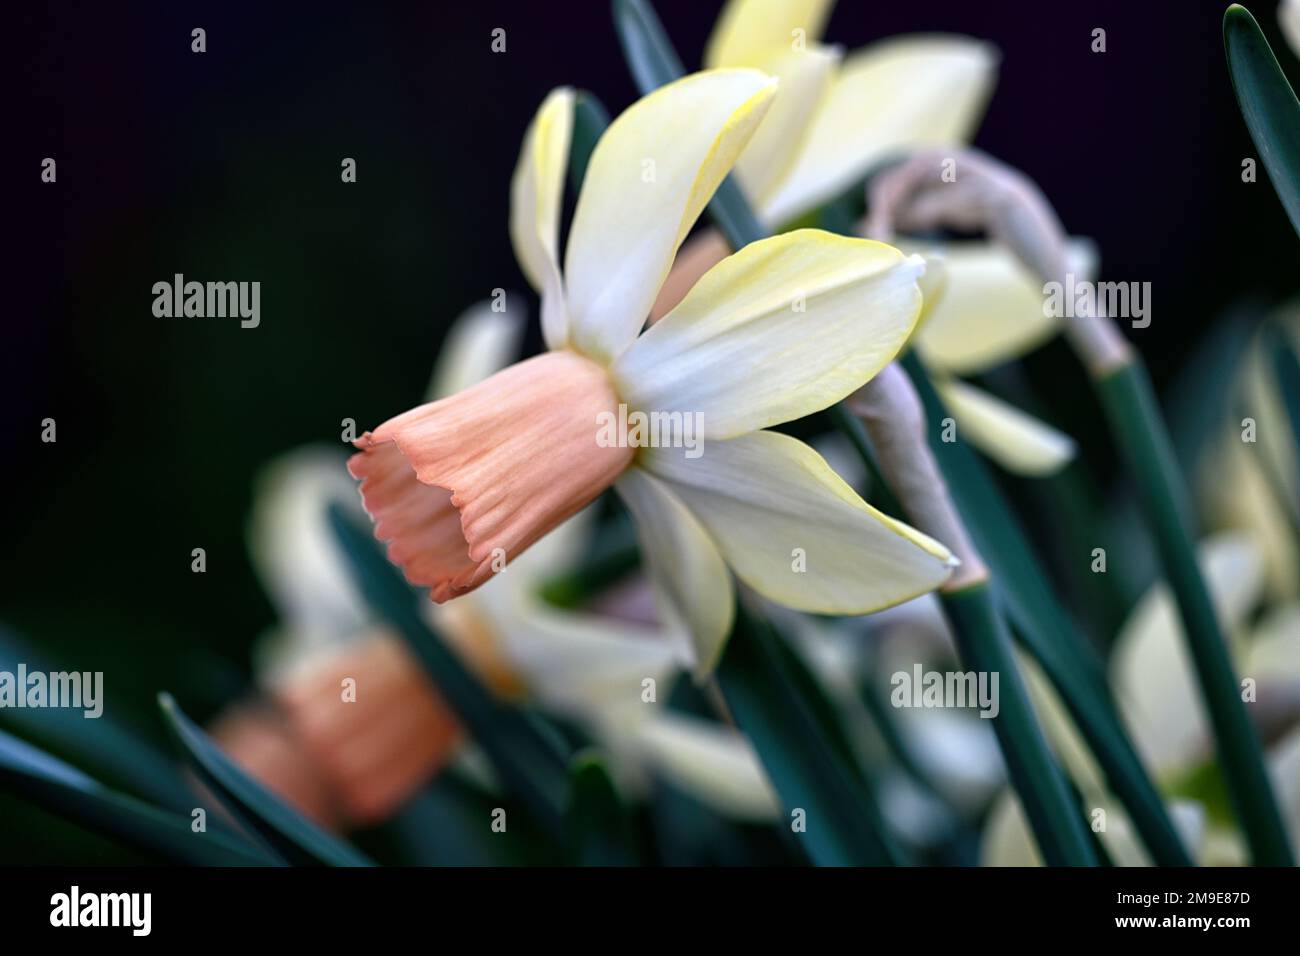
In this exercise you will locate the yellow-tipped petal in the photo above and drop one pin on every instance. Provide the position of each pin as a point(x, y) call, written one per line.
point(794, 531)
point(991, 311)
point(895, 96)
point(783, 328)
point(480, 343)
point(536, 192)
point(650, 176)
point(1018, 442)
point(692, 583)
point(749, 32)
point(805, 77)
point(1157, 688)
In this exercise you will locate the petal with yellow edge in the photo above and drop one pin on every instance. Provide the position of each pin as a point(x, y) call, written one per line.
point(894, 96)
point(794, 531)
point(689, 576)
point(536, 192)
point(785, 327)
point(1018, 442)
point(650, 176)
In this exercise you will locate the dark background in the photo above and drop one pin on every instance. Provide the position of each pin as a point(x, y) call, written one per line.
point(225, 166)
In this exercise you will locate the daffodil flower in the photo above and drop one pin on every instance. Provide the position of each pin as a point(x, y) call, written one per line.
point(355, 764)
point(835, 116)
point(1288, 17)
point(1159, 698)
point(990, 311)
point(783, 328)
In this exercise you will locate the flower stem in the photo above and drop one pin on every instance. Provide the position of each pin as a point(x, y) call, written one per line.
point(1129, 403)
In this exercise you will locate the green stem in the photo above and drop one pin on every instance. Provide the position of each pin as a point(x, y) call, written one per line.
point(984, 645)
point(1130, 406)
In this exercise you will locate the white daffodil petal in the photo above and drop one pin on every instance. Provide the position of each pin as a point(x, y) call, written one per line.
point(748, 32)
point(713, 763)
point(1018, 442)
point(783, 328)
point(690, 579)
point(794, 531)
point(1274, 651)
point(1156, 684)
point(1284, 768)
point(992, 309)
point(650, 175)
point(894, 96)
point(481, 342)
point(804, 76)
point(536, 192)
point(1288, 16)
point(293, 549)
point(585, 666)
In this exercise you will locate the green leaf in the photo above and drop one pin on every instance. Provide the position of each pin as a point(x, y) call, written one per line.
point(113, 751)
point(1138, 430)
point(62, 789)
point(590, 120)
point(1286, 374)
point(292, 835)
point(779, 708)
point(528, 762)
point(1268, 105)
point(599, 825)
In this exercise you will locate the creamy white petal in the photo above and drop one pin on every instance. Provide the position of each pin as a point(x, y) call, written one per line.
point(1155, 681)
point(894, 96)
point(481, 342)
point(650, 176)
point(992, 308)
point(749, 32)
point(692, 583)
point(785, 327)
point(772, 505)
point(1018, 442)
point(715, 764)
point(1288, 16)
point(536, 192)
point(805, 77)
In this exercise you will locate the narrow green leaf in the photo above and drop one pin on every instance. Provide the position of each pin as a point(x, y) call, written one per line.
point(808, 767)
point(599, 825)
point(292, 835)
point(526, 760)
point(1286, 375)
point(113, 751)
point(590, 119)
point(1268, 105)
point(1134, 419)
point(62, 789)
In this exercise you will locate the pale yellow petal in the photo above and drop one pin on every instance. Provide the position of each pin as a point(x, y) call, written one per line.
point(1018, 442)
point(715, 764)
point(783, 328)
point(536, 192)
point(694, 588)
point(991, 310)
point(650, 176)
point(804, 77)
point(1156, 683)
point(749, 32)
point(794, 531)
point(895, 96)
